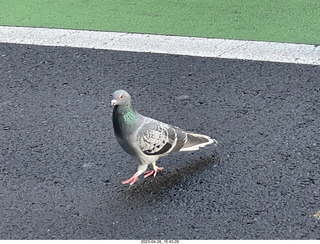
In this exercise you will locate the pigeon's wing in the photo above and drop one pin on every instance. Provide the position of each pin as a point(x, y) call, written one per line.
point(155, 138)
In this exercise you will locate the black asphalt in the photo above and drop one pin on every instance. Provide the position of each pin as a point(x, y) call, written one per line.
point(61, 167)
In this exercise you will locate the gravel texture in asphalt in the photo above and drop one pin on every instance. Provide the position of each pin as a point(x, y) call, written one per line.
point(61, 167)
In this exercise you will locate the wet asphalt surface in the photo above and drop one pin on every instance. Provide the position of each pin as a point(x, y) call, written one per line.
point(61, 167)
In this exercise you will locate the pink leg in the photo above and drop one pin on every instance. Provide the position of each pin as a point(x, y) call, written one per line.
point(135, 177)
point(132, 180)
point(152, 172)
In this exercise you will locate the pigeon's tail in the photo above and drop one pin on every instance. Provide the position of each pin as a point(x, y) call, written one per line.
point(194, 141)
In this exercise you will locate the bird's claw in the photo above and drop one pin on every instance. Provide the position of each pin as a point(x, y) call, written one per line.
point(132, 180)
point(135, 177)
point(152, 172)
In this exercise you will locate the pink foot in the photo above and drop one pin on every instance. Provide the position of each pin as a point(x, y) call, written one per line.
point(132, 180)
point(152, 172)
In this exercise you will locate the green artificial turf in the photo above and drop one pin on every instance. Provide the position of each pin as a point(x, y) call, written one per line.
point(294, 21)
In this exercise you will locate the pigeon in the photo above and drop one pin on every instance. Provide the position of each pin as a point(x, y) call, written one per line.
point(148, 139)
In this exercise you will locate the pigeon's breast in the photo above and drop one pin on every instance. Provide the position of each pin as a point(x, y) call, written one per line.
point(124, 143)
point(124, 133)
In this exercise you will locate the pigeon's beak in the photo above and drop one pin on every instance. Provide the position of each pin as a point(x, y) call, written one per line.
point(113, 103)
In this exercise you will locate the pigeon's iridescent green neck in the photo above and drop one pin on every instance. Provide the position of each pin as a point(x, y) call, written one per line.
point(128, 114)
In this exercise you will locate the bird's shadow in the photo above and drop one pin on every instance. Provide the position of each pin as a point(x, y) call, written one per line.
point(159, 186)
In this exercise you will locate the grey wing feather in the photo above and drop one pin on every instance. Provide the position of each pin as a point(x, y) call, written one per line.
point(156, 138)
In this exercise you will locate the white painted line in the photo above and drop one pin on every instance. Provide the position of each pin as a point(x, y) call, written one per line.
point(192, 46)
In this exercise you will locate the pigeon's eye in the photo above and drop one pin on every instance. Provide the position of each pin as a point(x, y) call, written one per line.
point(121, 96)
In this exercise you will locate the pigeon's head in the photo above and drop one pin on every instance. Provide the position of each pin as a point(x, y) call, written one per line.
point(120, 97)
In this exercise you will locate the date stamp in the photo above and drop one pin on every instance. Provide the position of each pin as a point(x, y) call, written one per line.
point(159, 241)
